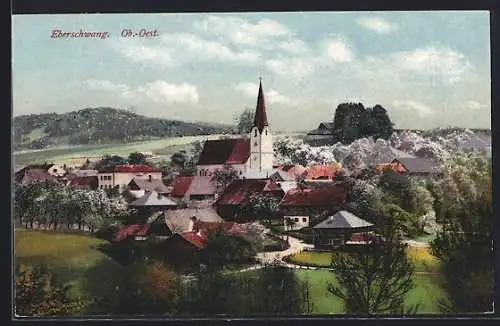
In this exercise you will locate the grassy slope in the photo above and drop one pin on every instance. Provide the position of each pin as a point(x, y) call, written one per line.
point(69, 256)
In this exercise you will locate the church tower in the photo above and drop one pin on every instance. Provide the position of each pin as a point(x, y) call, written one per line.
point(261, 140)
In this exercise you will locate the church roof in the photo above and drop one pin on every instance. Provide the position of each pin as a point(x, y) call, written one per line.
point(225, 151)
point(260, 119)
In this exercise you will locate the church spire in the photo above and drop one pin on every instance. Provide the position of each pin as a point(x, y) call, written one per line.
point(260, 119)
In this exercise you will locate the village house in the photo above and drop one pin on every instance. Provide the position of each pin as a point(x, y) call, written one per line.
point(194, 188)
point(84, 182)
point(121, 175)
point(255, 153)
point(183, 220)
point(340, 229)
point(152, 202)
point(230, 205)
point(138, 187)
point(298, 205)
point(321, 135)
point(27, 176)
point(416, 166)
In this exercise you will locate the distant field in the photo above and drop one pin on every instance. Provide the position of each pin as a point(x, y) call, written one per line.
point(162, 149)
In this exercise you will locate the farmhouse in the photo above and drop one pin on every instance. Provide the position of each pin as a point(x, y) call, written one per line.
point(194, 187)
point(417, 166)
point(298, 205)
point(243, 155)
point(231, 202)
point(28, 176)
point(121, 175)
point(336, 229)
point(153, 201)
point(138, 187)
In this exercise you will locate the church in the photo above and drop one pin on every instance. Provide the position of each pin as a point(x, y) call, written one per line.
point(252, 156)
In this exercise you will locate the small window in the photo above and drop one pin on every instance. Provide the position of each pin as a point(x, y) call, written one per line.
point(241, 172)
point(304, 219)
point(266, 132)
point(201, 173)
point(100, 186)
point(55, 170)
point(296, 219)
point(255, 133)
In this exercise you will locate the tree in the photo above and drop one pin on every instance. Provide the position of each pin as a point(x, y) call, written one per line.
point(179, 159)
point(262, 206)
point(280, 292)
point(382, 127)
point(464, 248)
point(224, 250)
point(245, 121)
point(137, 158)
point(376, 278)
point(38, 294)
point(109, 161)
point(224, 177)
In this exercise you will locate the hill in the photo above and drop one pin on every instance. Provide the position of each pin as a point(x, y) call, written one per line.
point(99, 126)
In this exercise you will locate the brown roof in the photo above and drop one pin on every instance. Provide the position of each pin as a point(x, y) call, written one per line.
point(86, 181)
point(225, 151)
point(325, 196)
point(260, 119)
point(181, 185)
point(30, 176)
point(149, 185)
point(240, 190)
point(202, 185)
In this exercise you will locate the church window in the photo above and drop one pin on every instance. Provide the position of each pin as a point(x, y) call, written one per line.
point(255, 133)
point(255, 144)
point(266, 132)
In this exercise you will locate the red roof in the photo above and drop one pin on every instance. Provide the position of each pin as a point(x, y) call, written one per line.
point(322, 196)
point(131, 230)
point(293, 170)
point(181, 185)
point(271, 186)
point(260, 119)
point(240, 190)
point(322, 171)
point(225, 151)
point(130, 168)
point(90, 181)
point(193, 238)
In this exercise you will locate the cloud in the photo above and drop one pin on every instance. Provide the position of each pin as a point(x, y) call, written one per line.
point(420, 109)
point(159, 91)
point(377, 24)
point(436, 62)
point(251, 90)
point(182, 48)
point(339, 50)
point(297, 67)
point(294, 46)
point(240, 31)
point(473, 105)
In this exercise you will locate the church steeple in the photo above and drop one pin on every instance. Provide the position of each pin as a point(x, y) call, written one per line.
point(260, 120)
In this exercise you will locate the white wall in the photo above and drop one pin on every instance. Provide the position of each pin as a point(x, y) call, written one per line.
point(300, 222)
point(261, 149)
point(57, 170)
point(122, 179)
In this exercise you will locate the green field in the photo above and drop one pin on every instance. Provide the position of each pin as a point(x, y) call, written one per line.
point(73, 258)
point(161, 147)
point(422, 259)
point(425, 293)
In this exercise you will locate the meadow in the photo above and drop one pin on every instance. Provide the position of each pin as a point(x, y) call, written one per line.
point(75, 259)
point(162, 148)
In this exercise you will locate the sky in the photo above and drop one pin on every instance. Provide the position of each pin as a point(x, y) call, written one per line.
point(427, 69)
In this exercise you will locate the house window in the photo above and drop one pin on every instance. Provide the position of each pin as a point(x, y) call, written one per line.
point(296, 219)
point(55, 170)
point(266, 132)
point(304, 219)
point(100, 186)
point(241, 172)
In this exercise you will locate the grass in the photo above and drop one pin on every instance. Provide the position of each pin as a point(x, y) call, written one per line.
point(68, 256)
point(425, 293)
point(166, 146)
point(421, 257)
